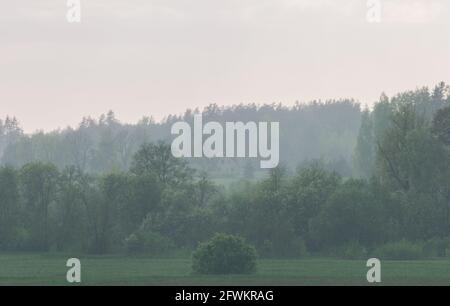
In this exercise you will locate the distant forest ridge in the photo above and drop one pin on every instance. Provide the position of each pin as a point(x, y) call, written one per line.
point(321, 131)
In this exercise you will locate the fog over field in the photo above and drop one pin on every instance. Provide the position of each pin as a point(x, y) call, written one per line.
point(160, 57)
point(224, 142)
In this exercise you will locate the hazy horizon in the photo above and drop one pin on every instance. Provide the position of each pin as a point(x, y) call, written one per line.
point(155, 58)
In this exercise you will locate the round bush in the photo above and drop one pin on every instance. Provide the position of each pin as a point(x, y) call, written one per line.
point(224, 254)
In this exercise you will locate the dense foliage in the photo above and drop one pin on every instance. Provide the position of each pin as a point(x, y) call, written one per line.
point(396, 204)
point(224, 254)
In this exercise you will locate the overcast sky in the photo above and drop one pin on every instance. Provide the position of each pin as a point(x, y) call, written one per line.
point(156, 57)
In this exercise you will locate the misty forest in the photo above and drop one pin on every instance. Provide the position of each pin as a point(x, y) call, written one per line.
point(352, 182)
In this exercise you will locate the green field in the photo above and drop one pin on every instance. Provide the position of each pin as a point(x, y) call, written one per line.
point(51, 270)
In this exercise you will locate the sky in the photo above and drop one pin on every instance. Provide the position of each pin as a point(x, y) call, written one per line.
point(159, 57)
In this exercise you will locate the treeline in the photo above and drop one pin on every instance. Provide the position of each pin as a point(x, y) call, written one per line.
point(44, 209)
point(325, 130)
point(399, 204)
point(154, 212)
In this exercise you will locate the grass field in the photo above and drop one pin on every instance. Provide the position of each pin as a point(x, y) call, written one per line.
point(18, 269)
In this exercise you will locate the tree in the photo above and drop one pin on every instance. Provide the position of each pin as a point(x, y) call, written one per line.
point(441, 125)
point(264, 216)
point(114, 189)
point(71, 212)
point(38, 184)
point(205, 190)
point(408, 156)
point(350, 215)
point(412, 161)
point(157, 159)
point(440, 97)
point(79, 147)
point(364, 157)
point(12, 128)
point(381, 116)
point(9, 207)
point(144, 199)
point(393, 149)
point(307, 194)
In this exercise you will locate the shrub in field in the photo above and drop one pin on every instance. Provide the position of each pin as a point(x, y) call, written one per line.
point(224, 254)
point(401, 250)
